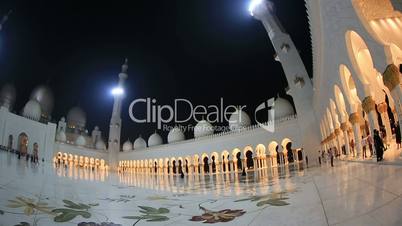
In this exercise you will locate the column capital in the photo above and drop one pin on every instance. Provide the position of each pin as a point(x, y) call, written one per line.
point(391, 77)
point(354, 118)
point(368, 104)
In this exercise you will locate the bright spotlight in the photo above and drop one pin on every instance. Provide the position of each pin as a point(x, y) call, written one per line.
point(117, 91)
point(253, 5)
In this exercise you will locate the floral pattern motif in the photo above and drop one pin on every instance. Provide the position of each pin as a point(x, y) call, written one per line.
point(212, 217)
point(96, 224)
point(29, 205)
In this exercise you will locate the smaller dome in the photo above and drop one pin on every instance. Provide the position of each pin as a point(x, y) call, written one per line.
point(127, 146)
point(8, 96)
point(44, 96)
point(155, 140)
point(283, 108)
point(76, 118)
point(32, 110)
point(100, 145)
point(239, 120)
point(61, 136)
point(139, 143)
point(203, 128)
point(175, 135)
point(80, 141)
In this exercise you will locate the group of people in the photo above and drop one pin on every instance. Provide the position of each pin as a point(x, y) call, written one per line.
point(379, 142)
point(330, 155)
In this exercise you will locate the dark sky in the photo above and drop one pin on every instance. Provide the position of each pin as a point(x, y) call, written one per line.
point(200, 50)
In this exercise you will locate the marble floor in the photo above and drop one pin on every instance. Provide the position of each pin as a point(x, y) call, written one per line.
point(348, 194)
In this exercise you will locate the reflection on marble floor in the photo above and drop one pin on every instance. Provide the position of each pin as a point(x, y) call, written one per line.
point(348, 194)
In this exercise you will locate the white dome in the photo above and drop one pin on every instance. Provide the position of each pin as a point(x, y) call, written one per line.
point(203, 128)
point(127, 146)
point(44, 96)
point(155, 140)
point(175, 135)
point(8, 96)
point(76, 118)
point(139, 143)
point(32, 110)
point(100, 145)
point(80, 141)
point(239, 120)
point(283, 108)
point(61, 136)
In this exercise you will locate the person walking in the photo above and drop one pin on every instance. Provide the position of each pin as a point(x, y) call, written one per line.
point(364, 144)
point(331, 156)
point(398, 135)
point(352, 147)
point(379, 145)
point(319, 157)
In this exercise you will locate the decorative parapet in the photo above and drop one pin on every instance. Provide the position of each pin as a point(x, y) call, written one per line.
point(277, 122)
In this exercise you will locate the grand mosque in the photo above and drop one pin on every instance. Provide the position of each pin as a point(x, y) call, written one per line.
point(355, 88)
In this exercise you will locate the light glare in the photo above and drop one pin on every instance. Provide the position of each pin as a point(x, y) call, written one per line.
point(117, 91)
point(253, 5)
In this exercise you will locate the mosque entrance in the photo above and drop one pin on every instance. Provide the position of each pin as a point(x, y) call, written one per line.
point(180, 167)
point(174, 167)
point(239, 165)
point(206, 165)
point(23, 144)
point(186, 166)
point(213, 165)
point(289, 152)
point(249, 160)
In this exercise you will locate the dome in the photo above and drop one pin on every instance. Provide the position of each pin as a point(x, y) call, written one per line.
point(44, 96)
point(155, 140)
point(239, 120)
point(283, 108)
point(61, 136)
point(175, 135)
point(139, 143)
point(203, 128)
point(76, 118)
point(80, 141)
point(8, 96)
point(127, 146)
point(100, 145)
point(32, 110)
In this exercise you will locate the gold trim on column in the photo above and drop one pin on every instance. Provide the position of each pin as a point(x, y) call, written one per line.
point(391, 77)
point(382, 108)
point(337, 131)
point(368, 104)
point(354, 118)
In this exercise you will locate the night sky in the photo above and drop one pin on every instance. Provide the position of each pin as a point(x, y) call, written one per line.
point(200, 50)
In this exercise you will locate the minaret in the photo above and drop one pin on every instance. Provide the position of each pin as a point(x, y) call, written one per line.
point(300, 86)
point(115, 121)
